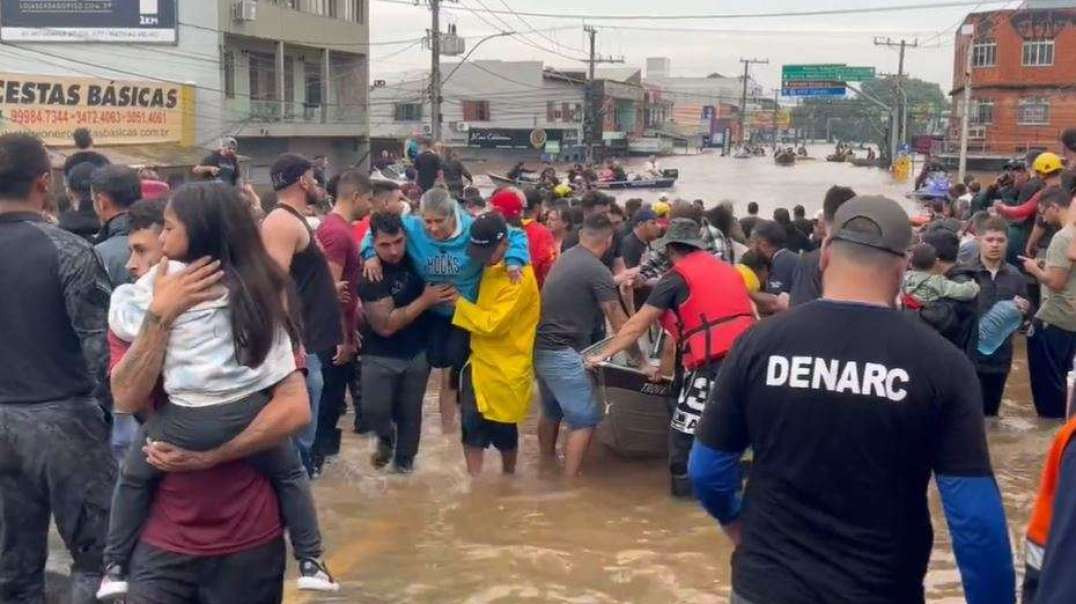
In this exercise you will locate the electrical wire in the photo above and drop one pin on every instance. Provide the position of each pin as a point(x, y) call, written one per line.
point(758, 15)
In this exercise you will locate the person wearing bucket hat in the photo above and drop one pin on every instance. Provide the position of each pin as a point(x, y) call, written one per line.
point(221, 165)
point(896, 393)
point(704, 305)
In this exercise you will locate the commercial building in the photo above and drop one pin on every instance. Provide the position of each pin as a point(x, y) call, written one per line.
point(491, 108)
point(279, 75)
point(1023, 73)
point(705, 110)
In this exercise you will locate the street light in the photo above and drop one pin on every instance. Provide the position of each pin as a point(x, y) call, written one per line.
point(474, 48)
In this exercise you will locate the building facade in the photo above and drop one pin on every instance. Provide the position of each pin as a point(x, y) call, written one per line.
point(278, 75)
point(488, 107)
point(1023, 79)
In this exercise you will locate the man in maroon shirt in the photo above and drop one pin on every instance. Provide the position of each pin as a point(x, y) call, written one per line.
point(337, 239)
point(214, 532)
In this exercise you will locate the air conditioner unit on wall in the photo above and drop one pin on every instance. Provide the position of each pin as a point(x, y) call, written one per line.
point(427, 129)
point(245, 10)
point(462, 126)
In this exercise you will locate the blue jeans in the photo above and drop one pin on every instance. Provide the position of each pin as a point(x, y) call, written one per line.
point(568, 393)
point(304, 441)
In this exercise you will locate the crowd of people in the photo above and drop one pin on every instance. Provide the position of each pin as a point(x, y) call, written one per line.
point(182, 359)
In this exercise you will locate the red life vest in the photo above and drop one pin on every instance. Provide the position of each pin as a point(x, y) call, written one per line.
point(717, 310)
point(1038, 529)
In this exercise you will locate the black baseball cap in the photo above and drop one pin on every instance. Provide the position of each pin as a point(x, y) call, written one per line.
point(873, 221)
point(643, 215)
point(288, 169)
point(487, 232)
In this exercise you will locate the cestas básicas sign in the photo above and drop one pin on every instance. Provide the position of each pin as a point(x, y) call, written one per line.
point(116, 112)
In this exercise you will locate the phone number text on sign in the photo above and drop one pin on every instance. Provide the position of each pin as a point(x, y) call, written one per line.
point(28, 117)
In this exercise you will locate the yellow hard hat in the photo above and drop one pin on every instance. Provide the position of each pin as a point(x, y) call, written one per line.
point(562, 190)
point(750, 279)
point(1047, 163)
point(661, 208)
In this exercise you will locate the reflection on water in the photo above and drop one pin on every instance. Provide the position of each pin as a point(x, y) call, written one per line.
point(616, 536)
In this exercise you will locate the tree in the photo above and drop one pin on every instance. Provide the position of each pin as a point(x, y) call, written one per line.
point(857, 119)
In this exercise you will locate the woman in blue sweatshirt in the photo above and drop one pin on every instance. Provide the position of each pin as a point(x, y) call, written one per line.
point(437, 241)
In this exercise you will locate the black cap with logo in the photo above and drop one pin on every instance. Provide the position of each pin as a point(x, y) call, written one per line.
point(487, 232)
point(288, 169)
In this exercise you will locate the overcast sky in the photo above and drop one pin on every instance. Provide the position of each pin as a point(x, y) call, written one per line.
point(783, 40)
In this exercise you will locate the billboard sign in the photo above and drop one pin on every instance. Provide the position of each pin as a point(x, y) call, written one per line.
point(840, 72)
point(116, 112)
point(511, 138)
point(138, 21)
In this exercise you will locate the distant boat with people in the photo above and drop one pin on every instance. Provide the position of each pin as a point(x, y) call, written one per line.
point(666, 181)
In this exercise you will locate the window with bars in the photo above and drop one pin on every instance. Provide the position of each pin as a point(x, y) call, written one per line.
point(408, 112)
point(982, 112)
point(262, 76)
point(984, 54)
point(1033, 111)
point(229, 74)
point(476, 111)
point(1038, 53)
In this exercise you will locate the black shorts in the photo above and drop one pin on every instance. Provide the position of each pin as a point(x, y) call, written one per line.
point(447, 346)
point(255, 575)
point(477, 430)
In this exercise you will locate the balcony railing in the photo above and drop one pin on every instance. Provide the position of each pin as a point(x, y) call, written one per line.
point(269, 111)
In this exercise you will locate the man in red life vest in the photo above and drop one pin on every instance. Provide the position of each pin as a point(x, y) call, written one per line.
point(1048, 548)
point(704, 305)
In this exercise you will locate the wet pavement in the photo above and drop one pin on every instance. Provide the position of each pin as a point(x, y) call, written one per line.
point(615, 535)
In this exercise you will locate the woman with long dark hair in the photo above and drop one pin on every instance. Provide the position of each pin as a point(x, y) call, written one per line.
point(224, 357)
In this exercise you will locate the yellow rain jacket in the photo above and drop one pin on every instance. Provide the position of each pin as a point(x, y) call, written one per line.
point(502, 324)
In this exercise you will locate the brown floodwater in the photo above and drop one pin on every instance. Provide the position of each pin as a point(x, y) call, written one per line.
point(614, 536)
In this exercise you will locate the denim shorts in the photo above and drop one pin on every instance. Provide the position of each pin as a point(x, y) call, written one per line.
point(567, 391)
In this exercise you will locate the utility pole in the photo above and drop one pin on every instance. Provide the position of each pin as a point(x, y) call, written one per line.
point(743, 97)
point(592, 112)
point(968, 31)
point(776, 109)
point(902, 111)
point(435, 71)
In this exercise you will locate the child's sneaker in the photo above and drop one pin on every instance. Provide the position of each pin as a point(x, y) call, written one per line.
point(314, 576)
point(113, 584)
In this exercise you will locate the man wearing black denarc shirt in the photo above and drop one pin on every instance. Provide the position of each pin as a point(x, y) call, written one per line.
point(849, 407)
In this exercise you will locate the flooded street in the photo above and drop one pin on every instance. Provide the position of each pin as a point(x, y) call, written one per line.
point(616, 535)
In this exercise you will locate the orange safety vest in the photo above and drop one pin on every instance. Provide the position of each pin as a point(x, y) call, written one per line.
point(717, 310)
point(1038, 530)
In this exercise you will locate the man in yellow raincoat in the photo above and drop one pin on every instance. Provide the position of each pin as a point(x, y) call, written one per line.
point(497, 383)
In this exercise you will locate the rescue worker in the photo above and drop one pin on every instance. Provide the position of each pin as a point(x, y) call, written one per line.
point(704, 305)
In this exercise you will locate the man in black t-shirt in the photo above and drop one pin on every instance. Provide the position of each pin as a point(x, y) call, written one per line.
point(221, 165)
point(849, 406)
point(807, 279)
point(636, 242)
point(394, 367)
point(427, 167)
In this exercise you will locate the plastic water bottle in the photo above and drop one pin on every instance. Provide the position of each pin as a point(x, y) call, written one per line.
point(997, 324)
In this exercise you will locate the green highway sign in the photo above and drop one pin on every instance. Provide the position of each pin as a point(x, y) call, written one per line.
point(842, 73)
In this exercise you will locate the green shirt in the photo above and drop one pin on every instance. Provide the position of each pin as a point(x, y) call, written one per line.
point(1059, 308)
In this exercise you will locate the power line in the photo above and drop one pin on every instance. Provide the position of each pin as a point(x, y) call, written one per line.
point(760, 15)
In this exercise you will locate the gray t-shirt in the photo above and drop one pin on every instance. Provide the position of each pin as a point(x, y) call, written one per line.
point(571, 300)
point(1059, 308)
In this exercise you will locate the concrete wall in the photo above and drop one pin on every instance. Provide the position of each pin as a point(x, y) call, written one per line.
point(300, 27)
